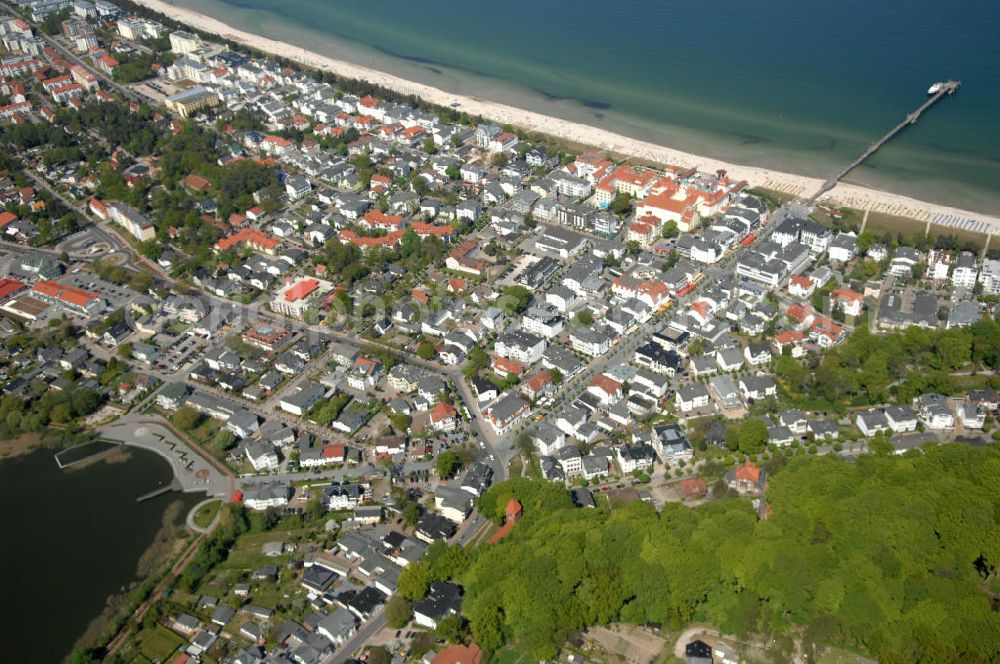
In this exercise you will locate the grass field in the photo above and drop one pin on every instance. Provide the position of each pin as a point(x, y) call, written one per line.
point(246, 554)
point(157, 645)
point(878, 222)
point(206, 513)
point(881, 223)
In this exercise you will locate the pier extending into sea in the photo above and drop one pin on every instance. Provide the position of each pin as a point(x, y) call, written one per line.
point(946, 88)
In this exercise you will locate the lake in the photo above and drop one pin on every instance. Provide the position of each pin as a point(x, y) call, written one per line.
point(72, 539)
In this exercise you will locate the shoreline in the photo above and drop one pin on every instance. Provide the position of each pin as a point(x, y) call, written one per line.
point(158, 556)
point(21, 445)
point(800, 186)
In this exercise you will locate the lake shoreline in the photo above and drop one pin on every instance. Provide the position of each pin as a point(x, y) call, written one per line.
point(844, 195)
point(158, 557)
point(119, 545)
point(24, 444)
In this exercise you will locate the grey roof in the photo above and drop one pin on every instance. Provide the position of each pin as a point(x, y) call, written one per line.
point(823, 427)
point(964, 313)
point(692, 391)
point(791, 416)
point(506, 406)
point(339, 623)
point(223, 614)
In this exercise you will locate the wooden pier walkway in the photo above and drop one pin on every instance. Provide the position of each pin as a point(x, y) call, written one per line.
point(173, 486)
point(947, 88)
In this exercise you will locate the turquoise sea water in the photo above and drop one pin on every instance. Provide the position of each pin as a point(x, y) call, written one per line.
point(798, 85)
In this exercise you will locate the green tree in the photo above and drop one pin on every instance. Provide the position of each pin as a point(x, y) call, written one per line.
point(515, 299)
point(747, 437)
point(477, 360)
point(446, 463)
point(426, 350)
point(414, 581)
point(411, 512)
point(224, 439)
point(622, 204)
point(397, 612)
point(451, 628)
point(187, 418)
point(400, 422)
point(670, 229)
point(584, 318)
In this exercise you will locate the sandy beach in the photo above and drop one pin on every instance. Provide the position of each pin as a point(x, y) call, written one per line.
point(844, 195)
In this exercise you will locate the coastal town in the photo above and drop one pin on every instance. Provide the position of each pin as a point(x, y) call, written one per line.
point(352, 314)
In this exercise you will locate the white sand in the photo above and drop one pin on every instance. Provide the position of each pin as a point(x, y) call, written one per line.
point(847, 195)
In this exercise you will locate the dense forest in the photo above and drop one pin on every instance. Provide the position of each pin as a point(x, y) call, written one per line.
point(875, 369)
point(895, 557)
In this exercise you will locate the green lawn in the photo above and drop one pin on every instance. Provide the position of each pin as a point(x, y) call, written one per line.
point(516, 466)
point(509, 656)
point(158, 644)
point(206, 513)
point(246, 554)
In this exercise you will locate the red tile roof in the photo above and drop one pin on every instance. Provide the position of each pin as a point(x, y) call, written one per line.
point(801, 281)
point(67, 294)
point(250, 236)
point(693, 487)
point(393, 238)
point(847, 295)
point(8, 287)
point(748, 472)
point(334, 451)
point(538, 382)
point(442, 411)
point(798, 312)
point(379, 219)
point(301, 290)
point(424, 229)
point(197, 182)
point(459, 654)
point(788, 337)
point(607, 385)
point(506, 366)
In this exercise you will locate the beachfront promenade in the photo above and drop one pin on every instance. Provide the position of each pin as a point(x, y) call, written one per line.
point(192, 471)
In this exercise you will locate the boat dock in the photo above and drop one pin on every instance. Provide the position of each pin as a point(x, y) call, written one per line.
point(946, 88)
point(173, 486)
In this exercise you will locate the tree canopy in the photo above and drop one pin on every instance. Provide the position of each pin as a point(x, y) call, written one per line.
point(872, 369)
point(747, 436)
point(885, 555)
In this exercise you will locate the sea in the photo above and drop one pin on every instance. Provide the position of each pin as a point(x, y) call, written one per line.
point(797, 85)
point(71, 539)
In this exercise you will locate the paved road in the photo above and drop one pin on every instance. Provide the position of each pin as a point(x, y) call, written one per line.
point(360, 470)
point(349, 647)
